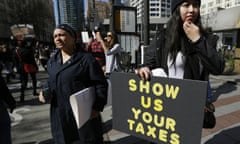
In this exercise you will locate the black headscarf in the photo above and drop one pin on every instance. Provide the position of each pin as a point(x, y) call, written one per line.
point(175, 3)
point(68, 29)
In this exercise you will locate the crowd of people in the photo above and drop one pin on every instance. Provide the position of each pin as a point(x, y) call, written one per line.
point(15, 56)
point(187, 52)
point(13, 59)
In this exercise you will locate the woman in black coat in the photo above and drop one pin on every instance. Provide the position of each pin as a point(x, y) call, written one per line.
point(185, 50)
point(6, 100)
point(71, 70)
point(25, 55)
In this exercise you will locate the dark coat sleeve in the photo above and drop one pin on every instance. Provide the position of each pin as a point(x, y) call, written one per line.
point(210, 58)
point(155, 53)
point(101, 85)
point(6, 95)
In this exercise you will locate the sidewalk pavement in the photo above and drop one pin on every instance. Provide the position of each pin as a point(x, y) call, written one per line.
point(226, 94)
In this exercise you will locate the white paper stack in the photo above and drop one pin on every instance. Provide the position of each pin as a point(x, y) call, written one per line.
point(81, 103)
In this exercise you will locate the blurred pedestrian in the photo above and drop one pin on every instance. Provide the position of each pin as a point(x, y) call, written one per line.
point(111, 48)
point(95, 47)
point(6, 101)
point(25, 54)
point(70, 70)
point(6, 57)
point(44, 55)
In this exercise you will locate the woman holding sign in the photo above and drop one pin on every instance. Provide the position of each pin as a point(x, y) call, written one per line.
point(71, 70)
point(186, 50)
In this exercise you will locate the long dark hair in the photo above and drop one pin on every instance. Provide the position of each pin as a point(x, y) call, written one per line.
point(113, 41)
point(175, 34)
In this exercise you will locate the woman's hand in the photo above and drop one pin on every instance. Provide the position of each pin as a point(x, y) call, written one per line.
point(191, 30)
point(98, 36)
point(41, 97)
point(144, 73)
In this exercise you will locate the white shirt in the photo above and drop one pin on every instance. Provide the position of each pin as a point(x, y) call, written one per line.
point(176, 70)
point(111, 61)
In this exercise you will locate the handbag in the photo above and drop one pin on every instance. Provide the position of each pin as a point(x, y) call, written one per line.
point(209, 120)
point(29, 68)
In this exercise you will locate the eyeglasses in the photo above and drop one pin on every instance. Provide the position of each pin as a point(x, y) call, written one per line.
point(109, 35)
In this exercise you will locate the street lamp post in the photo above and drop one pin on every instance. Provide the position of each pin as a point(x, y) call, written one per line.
point(146, 22)
point(111, 17)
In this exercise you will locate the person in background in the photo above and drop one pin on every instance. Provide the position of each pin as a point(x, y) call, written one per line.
point(44, 55)
point(6, 57)
point(111, 48)
point(186, 50)
point(70, 70)
point(25, 55)
point(6, 99)
point(94, 46)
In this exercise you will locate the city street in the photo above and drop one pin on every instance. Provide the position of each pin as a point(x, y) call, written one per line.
point(30, 120)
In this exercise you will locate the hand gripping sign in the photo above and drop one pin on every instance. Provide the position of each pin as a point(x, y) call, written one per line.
point(162, 110)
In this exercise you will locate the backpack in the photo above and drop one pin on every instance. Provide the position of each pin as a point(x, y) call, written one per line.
point(124, 60)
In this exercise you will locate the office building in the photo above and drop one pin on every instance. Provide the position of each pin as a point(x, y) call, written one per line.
point(70, 12)
point(159, 12)
point(157, 8)
point(38, 13)
point(97, 11)
point(212, 6)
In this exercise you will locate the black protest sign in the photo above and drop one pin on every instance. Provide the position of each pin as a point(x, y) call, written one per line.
point(162, 110)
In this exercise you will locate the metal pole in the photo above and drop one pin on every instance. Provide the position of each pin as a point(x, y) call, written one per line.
point(146, 22)
point(111, 17)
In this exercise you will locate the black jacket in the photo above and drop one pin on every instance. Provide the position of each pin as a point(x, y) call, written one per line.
point(81, 71)
point(26, 54)
point(6, 100)
point(6, 96)
point(204, 51)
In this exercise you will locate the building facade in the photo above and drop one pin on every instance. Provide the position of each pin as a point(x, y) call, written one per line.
point(212, 6)
point(222, 17)
point(97, 11)
point(37, 13)
point(70, 12)
point(159, 12)
point(157, 8)
point(5, 11)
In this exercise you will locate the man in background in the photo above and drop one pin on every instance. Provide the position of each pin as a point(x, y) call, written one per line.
point(95, 47)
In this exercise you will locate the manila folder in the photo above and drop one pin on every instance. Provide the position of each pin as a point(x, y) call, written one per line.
point(81, 103)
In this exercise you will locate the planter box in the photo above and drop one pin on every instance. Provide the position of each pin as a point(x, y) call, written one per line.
point(237, 53)
point(237, 65)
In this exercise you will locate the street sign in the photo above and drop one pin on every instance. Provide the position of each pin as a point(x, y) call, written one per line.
point(125, 19)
